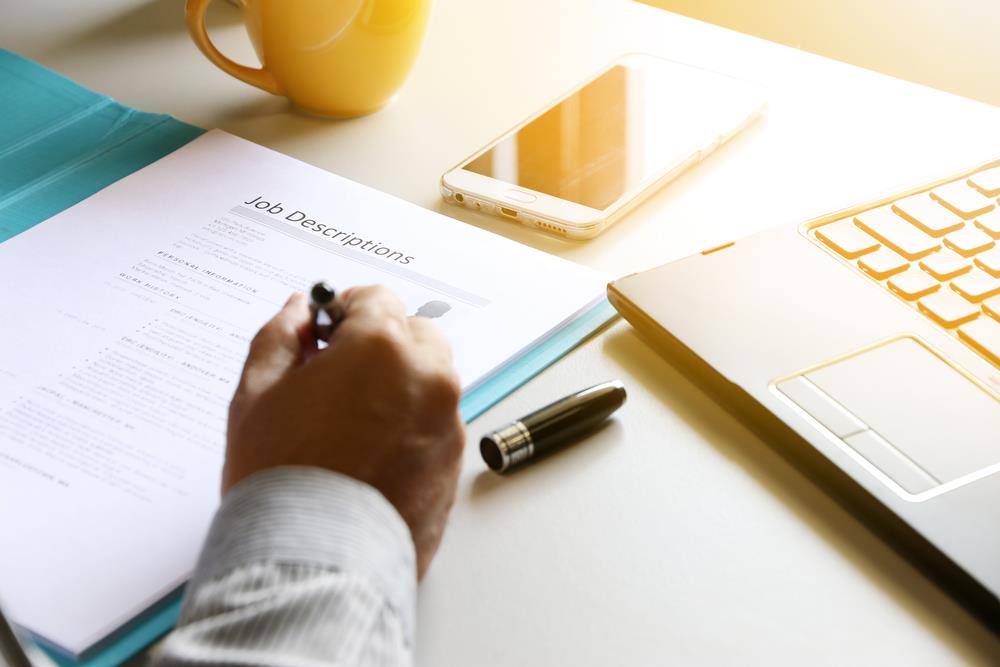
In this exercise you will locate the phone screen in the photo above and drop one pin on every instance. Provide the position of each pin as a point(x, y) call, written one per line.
point(624, 127)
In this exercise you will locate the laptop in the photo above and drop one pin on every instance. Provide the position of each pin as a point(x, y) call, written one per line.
point(865, 346)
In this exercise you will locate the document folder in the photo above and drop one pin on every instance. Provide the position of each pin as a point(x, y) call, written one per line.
point(60, 143)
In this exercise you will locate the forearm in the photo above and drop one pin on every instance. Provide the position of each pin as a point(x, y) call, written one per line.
point(301, 567)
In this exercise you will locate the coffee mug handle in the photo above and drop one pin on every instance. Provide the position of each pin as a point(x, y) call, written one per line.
point(194, 12)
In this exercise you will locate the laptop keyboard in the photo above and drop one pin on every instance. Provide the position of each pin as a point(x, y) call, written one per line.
point(937, 251)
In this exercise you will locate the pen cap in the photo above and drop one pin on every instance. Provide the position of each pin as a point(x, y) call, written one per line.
point(551, 426)
point(574, 415)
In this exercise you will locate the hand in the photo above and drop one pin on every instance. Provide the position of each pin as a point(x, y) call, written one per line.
point(380, 404)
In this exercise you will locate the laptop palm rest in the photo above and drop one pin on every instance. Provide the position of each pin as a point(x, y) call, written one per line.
point(915, 417)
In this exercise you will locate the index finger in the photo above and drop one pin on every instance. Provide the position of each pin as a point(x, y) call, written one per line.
point(281, 345)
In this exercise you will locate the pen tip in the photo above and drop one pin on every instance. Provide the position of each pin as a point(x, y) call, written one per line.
point(322, 293)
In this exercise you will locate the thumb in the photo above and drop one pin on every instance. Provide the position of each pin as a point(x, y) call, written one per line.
point(281, 345)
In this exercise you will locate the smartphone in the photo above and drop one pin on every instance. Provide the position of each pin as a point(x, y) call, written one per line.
point(582, 162)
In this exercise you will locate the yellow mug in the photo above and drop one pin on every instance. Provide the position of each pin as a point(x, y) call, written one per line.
point(339, 58)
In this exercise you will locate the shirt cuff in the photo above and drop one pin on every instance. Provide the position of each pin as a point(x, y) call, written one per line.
point(299, 514)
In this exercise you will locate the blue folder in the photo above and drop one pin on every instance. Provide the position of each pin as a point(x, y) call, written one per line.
point(60, 143)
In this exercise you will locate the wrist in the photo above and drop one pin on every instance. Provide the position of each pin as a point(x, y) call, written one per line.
point(303, 514)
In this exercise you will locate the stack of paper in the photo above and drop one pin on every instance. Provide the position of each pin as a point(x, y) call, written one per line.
point(126, 321)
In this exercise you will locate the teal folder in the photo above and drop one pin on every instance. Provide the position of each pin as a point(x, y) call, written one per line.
point(60, 143)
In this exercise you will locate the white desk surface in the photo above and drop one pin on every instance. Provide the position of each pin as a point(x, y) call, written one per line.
point(673, 536)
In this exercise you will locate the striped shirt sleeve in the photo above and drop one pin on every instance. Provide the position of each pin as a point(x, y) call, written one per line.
point(301, 566)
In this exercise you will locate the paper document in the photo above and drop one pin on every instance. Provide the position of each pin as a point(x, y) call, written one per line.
point(126, 320)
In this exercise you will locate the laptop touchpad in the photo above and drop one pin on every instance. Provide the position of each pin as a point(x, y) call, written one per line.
point(911, 414)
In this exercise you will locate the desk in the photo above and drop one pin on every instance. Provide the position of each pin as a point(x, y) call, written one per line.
point(673, 536)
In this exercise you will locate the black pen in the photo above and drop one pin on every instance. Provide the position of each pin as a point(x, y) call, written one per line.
point(551, 426)
point(327, 312)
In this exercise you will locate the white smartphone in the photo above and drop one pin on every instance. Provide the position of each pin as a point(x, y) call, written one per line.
point(579, 164)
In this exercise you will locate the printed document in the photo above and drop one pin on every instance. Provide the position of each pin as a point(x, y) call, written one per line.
point(126, 320)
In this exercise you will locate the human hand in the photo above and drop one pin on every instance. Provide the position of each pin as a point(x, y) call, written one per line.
point(380, 404)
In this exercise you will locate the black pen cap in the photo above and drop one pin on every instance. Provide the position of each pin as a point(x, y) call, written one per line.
point(552, 426)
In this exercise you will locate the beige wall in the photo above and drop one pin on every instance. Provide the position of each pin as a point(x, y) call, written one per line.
point(952, 45)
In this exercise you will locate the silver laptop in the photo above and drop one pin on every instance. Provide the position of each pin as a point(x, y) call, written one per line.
point(865, 346)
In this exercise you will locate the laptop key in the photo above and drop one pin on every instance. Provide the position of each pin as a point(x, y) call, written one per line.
point(992, 308)
point(846, 239)
point(913, 284)
point(989, 262)
point(883, 263)
point(990, 223)
point(987, 181)
point(948, 308)
point(976, 285)
point(984, 336)
point(897, 233)
point(962, 199)
point(945, 265)
point(969, 241)
point(928, 214)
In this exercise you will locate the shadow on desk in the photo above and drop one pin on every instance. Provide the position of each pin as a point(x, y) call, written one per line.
point(938, 613)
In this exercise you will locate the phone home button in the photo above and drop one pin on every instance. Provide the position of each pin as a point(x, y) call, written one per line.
point(520, 196)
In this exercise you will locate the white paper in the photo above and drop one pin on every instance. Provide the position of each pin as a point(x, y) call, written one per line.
point(126, 319)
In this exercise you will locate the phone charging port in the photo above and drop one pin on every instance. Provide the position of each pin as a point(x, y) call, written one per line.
point(509, 212)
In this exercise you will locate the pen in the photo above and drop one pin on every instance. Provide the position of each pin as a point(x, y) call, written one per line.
point(326, 310)
point(551, 426)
